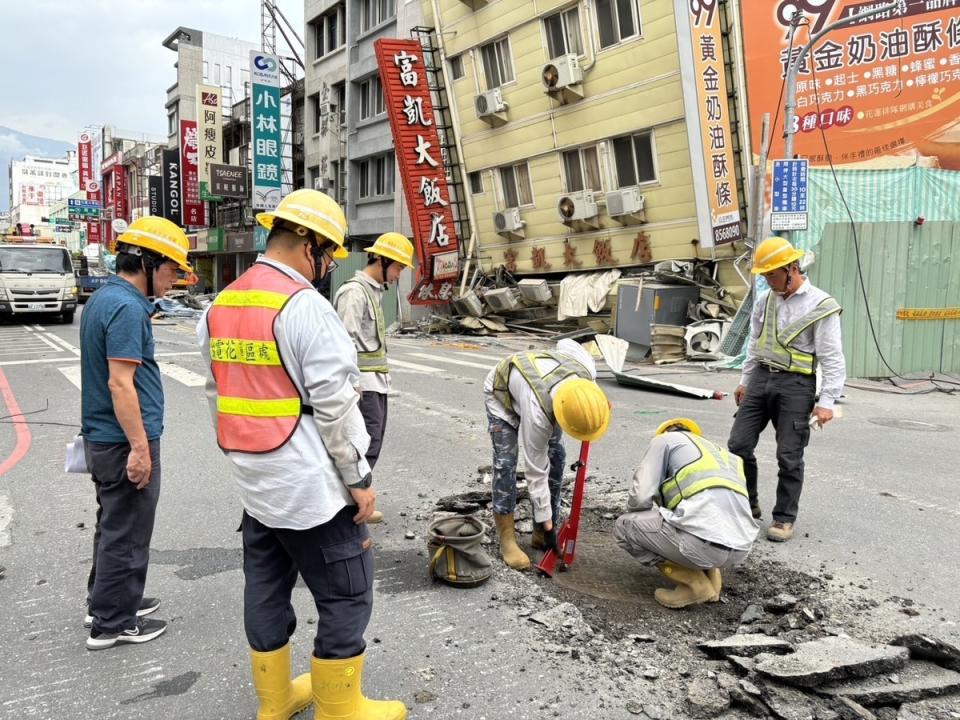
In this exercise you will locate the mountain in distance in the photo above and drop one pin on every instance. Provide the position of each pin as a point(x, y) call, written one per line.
point(14, 145)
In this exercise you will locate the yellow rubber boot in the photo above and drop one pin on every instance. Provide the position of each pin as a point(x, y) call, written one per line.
point(713, 575)
point(280, 697)
point(337, 693)
point(509, 550)
point(693, 586)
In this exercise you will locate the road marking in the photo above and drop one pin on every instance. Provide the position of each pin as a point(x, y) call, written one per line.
point(65, 358)
point(451, 361)
point(20, 426)
point(63, 343)
point(413, 366)
point(182, 375)
point(479, 355)
point(183, 353)
point(72, 373)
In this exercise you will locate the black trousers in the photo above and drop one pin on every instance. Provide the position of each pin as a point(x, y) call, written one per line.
point(336, 562)
point(786, 399)
point(373, 407)
point(121, 540)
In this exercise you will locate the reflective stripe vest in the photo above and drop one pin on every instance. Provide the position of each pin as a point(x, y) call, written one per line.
point(774, 348)
point(374, 360)
point(258, 405)
point(716, 468)
point(526, 365)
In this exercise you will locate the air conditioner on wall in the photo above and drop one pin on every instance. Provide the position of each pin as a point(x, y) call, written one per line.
point(625, 201)
point(502, 299)
point(318, 183)
point(561, 72)
point(474, 4)
point(508, 222)
point(577, 206)
point(490, 104)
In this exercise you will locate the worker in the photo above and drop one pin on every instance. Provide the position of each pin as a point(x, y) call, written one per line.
point(794, 328)
point(359, 304)
point(687, 513)
point(285, 406)
point(533, 398)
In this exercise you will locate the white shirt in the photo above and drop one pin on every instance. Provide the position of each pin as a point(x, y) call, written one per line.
point(823, 339)
point(303, 484)
point(717, 515)
point(535, 428)
point(359, 319)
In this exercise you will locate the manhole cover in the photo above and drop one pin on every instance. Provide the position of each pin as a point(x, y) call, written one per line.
point(602, 570)
point(915, 425)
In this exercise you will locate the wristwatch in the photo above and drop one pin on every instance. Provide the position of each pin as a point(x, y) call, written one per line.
point(365, 482)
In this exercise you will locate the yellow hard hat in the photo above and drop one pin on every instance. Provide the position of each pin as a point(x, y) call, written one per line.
point(393, 246)
point(685, 423)
point(313, 210)
point(161, 236)
point(773, 253)
point(582, 409)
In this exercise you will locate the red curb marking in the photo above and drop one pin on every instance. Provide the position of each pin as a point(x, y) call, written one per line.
point(24, 438)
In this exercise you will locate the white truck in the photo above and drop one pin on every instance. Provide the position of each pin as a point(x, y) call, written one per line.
point(36, 277)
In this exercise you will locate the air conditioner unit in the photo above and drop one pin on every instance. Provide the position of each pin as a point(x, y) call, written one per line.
point(561, 73)
point(508, 221)
point(502, 299)
point(475, 4)
point(489, 104)
point(625, 201)
point(535, 290)
point(318, 183)
point(577, 206)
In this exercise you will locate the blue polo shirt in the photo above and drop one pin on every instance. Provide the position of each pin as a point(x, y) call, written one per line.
point(115, 325)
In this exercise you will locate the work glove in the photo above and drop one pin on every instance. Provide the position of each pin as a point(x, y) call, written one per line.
point(550, 540)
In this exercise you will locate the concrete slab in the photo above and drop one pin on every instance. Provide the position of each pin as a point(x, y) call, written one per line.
point(745, 645)
point(917, 681)
point(940, 709)
point(831, 659)
point(925, 647)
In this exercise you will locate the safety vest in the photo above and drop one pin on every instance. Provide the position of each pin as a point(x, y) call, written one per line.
point(374, 360)
point(774, 347)
point(526, 365)
point(258, 404)
point(715, 468)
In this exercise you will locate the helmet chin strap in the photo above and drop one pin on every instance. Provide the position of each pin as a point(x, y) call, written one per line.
point(384, 266)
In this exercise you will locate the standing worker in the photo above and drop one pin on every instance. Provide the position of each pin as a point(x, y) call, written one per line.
point(283, 398)
point(122, 421)
point(794, 328)
point(702, 521)
point(533, 398)
point(359, 303)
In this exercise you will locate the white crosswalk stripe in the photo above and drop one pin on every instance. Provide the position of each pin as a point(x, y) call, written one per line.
point(72, 373)
point(401, 365)
point(174, 372)
point(452, 361)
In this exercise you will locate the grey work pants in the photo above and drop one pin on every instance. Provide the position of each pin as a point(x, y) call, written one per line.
point(651, 540)
point(373, 407)
point(785, 399)
point(121, 540)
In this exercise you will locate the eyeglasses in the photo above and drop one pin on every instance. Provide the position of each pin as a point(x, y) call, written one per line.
point(332, 263)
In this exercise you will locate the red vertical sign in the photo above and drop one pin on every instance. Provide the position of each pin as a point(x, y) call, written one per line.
point(87, 182)
point(193, 210)
point(422, 171)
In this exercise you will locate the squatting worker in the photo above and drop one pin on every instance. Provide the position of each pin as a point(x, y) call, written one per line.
point(283, 398)
point(533, 398)
point(794, 328)
point(687, 513)
point(359, 303)
point(122, 421)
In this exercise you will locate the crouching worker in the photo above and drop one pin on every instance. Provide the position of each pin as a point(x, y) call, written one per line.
point(532, 398)
point(688, 513)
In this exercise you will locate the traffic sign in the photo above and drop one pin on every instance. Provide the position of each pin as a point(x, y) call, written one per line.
point(789, 195)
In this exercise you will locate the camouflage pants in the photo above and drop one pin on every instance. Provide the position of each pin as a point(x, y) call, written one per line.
point(505, 454)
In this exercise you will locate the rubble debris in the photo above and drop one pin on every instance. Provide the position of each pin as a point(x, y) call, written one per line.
point(706, 699)
point(746, 645)
point(563, 617)
point(831, 659)
point(753, 613)
point(940, 709)
point(742, 663)
point(924, 647)
point(919, 680)
point(787, 703)
point(470, 502)
point(782, 603)
point(851, 710)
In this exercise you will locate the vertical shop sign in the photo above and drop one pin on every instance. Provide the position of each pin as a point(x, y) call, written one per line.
point(422, 171)
point(265, 122)
point(172, 191)
point(193, 214)
point(209, 134)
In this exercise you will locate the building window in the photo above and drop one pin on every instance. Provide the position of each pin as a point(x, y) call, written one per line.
point(206, 71)
point(216, 74)
point(515, 182)
point(371, 98)
point(617, 20)
point(329, 31)
point(497, 67)
point(338, 98)
point(476, 183)
point(376, 12)
point(375, 176)
point(337, 181)
point(172, 124)
point(314, 175)
point(581, 169)
point(563, 33)
point(315, 111)
point(634, 156)
point(456, 67)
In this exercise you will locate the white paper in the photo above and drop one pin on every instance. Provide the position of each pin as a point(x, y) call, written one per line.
point(76, 459)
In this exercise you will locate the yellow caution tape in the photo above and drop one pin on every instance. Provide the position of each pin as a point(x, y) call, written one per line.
point(952, 313)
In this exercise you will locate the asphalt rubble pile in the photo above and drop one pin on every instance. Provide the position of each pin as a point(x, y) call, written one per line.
point(769, 649)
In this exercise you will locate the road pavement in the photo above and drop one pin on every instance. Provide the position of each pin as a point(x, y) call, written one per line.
point(879, 514)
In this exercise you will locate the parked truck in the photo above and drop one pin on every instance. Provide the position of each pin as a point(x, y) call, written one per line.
point(36, 277)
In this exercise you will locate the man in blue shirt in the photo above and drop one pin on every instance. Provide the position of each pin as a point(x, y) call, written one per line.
point(122, 420)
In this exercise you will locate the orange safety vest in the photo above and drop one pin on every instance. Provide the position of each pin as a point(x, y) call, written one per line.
point(258, 404)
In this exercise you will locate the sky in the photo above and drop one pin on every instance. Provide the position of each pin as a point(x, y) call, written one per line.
point(73, 63)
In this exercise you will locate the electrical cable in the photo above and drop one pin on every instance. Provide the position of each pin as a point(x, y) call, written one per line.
point(6, 419)
point(856, 245)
